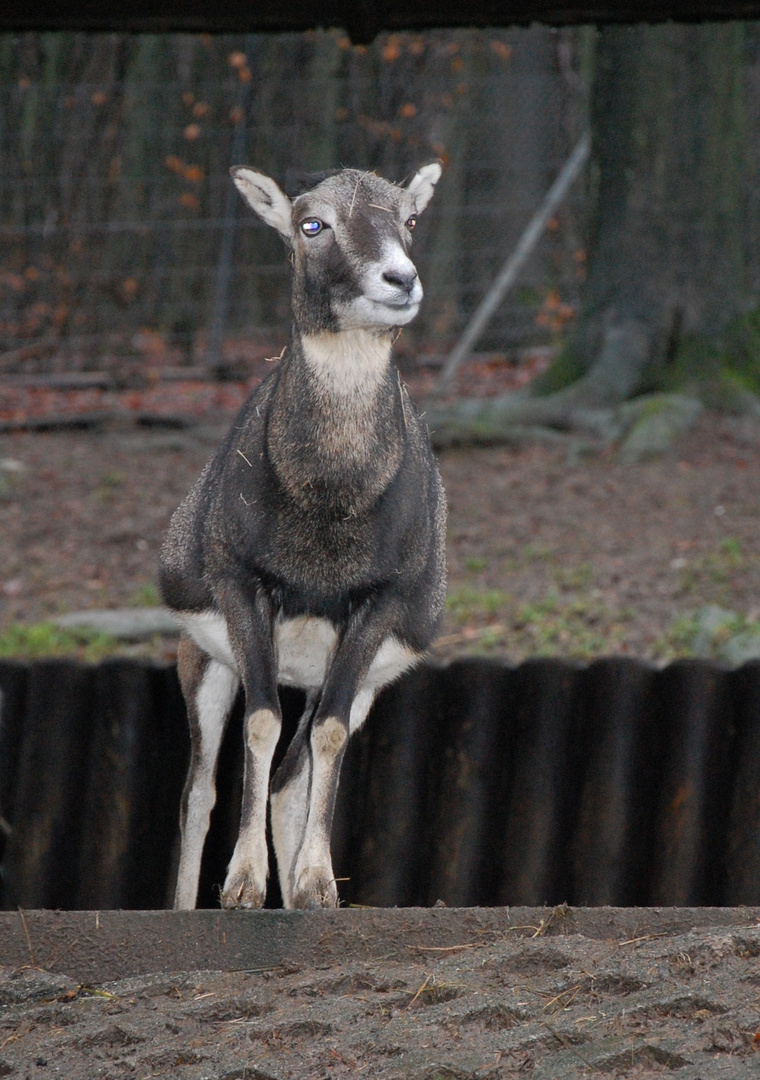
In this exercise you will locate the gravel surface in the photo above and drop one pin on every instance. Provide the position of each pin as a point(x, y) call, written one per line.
point(549, 1001)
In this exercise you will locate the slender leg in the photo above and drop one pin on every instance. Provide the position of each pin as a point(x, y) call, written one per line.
point(209, 688)
point(289, 801)
point(246, 881)
point(250, 627)
point(313, 879)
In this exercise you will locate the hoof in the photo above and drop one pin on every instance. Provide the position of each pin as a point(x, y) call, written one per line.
point(240, 892)
point(315, 890)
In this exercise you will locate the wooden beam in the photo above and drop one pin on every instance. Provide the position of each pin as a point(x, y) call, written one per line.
point(363, 19)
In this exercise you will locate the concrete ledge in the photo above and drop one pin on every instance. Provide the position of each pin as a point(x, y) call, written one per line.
point(100, 946)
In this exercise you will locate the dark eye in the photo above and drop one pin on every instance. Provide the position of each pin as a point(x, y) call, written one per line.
point(411, 222)
point(312, 227)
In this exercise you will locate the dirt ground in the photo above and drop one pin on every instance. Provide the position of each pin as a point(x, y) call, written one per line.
point(546, 556)
point(556, 998)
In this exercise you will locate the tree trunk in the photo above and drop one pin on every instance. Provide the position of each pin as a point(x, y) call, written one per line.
point(666, 253)
point(666, 246)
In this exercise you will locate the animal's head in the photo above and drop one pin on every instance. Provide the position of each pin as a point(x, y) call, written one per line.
point(350, 235)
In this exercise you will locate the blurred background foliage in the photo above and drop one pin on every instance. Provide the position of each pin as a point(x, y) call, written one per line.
point(122, 236)
point(118, 219)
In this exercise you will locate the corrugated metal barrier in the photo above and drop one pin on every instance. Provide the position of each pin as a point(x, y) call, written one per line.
point(475, 784)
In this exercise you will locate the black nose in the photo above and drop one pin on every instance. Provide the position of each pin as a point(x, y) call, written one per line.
point(401, 281)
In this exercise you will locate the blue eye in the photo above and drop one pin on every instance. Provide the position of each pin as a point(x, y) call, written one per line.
point(311, 227)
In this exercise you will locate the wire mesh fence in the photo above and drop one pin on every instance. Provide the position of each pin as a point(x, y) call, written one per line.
point(122, 234)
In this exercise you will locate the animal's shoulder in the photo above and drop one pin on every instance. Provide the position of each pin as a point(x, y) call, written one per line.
point(247, 434)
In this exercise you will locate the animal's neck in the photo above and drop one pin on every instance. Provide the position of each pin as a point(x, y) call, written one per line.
point(348, 364)
point(337, 422)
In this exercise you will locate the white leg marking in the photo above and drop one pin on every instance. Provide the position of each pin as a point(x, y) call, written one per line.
point(309, 875)
point(313, 875)
point(214, 699)
point(290, 808)
point(246, 882)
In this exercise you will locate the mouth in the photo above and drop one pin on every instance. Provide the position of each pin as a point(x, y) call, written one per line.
point(400, 304)
point(386, 311)
point(402, 313)
point(398, 300)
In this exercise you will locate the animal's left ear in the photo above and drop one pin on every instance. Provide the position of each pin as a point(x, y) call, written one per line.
point(422, 184)
point(265, 198)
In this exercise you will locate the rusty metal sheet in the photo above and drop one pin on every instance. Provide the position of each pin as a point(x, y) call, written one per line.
point(473, 784)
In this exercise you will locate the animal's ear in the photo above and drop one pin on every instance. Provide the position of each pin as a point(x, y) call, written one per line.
point(422, 184)
point(265, 198)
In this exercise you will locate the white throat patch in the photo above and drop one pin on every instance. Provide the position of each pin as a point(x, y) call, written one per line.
point(350, 362)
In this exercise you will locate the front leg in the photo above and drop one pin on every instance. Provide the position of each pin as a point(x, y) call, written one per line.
point(250, 623)
point(312, 875)
point(311, 882)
